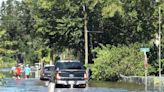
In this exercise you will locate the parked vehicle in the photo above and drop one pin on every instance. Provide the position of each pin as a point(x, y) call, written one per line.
point(46, 72)
point(69, 73)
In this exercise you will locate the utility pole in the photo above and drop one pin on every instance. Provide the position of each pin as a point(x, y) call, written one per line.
point(51, 56)
point(159, 46)
point(159, 54)
point(85, 34)
point(158, 43)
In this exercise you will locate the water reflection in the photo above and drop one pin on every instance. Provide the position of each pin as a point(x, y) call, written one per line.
point(91, 89)
point(35, 85)
point(116, 85)
point(29, 85)
point(16, 89)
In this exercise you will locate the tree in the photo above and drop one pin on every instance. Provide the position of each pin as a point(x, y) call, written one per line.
point(60, 23)
point(111, 62)
point(19, 36)
point(8, 26)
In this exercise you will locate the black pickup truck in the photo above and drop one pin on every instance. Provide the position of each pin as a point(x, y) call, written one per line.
point(69, 73)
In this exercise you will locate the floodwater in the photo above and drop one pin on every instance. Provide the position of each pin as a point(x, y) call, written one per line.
point(36, 85)
point(30, 85)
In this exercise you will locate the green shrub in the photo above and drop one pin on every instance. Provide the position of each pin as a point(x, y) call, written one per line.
point(2, 76)
point(6, 62)
point(112, 61)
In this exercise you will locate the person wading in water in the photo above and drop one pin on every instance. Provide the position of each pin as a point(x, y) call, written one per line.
point(18, 72)
point(27, 71)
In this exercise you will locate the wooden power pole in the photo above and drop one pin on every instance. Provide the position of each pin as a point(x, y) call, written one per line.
point(85, 34)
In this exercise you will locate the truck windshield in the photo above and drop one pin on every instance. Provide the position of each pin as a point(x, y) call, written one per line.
point(69, 65)
point(48, 68)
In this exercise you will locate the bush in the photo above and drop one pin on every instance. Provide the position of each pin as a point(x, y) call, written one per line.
point(112, 61)
point(2, 76)
point(6, 62)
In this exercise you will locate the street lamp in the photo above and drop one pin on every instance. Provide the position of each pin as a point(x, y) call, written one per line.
point(159, 41)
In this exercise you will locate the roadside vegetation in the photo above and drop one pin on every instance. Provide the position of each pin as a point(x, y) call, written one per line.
point(2, 76)
point(46, 30)
point(113, 61)
point(7, 62)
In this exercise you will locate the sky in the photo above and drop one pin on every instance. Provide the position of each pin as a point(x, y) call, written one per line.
point(5, 0)
point(1, 2)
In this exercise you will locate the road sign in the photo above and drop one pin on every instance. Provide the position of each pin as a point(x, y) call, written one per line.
point(144, 50)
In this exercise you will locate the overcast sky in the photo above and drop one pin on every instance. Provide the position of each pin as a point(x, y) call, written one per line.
point(5, 0)
point(1, 2)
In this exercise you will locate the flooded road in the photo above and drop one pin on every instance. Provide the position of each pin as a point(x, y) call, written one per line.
point(30, 85)
point(36, 85)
